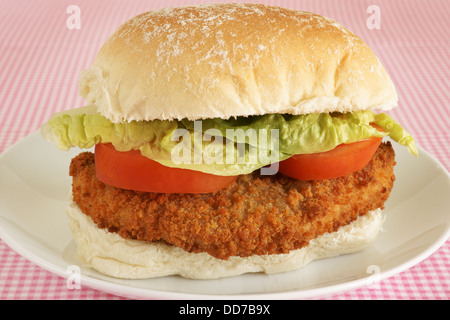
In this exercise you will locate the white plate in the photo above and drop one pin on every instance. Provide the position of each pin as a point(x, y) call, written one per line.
point(34, 186)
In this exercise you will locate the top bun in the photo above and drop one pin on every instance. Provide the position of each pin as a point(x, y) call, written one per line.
point(228, 60)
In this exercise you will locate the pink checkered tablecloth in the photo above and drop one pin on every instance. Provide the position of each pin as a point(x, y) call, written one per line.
point(41, 60)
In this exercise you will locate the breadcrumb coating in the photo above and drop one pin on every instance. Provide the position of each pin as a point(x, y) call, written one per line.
point(256, 215)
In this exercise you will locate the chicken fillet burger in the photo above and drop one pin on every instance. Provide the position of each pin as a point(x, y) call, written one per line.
point(226, 139)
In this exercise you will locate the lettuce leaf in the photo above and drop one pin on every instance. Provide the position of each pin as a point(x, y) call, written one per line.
point(396, 132)
point(222, 147)
point(298, 134)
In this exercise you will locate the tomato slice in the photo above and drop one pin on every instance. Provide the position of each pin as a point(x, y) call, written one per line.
point(342, 160)
point(130, 170)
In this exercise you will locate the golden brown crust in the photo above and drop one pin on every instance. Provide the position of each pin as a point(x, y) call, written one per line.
point(256, 215)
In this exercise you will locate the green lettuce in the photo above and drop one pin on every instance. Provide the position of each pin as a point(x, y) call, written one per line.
point(84, 128)
point(223, 147)
point(317, 132)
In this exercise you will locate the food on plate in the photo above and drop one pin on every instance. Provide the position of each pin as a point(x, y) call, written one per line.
point(228, 138)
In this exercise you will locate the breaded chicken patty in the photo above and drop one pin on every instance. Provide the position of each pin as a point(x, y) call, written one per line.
point(256, 215)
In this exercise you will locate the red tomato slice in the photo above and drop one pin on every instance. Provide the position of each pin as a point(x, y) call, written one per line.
point(342, 160)
point(130, 170)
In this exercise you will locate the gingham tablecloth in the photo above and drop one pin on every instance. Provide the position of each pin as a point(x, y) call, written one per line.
point(41, 57)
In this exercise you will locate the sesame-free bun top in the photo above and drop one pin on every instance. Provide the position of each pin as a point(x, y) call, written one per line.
point(228, 60)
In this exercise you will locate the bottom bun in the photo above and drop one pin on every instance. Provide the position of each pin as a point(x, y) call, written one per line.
point(112, 255)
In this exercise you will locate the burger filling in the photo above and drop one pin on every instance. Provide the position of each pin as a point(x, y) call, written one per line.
point(236, 187)
point(255, 215)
